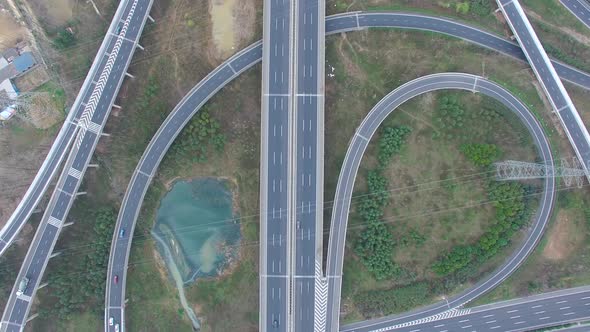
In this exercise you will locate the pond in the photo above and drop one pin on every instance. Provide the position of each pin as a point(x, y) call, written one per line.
point(197, 232)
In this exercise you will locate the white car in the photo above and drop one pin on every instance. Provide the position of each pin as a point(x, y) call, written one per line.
point(111, 321)
point(116, 327)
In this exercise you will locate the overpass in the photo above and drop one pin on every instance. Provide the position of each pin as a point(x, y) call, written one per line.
point(277, 165)
point(63, 140)
point(118, 54)
point(225, 73)
point(546, 75)
point(307, 226)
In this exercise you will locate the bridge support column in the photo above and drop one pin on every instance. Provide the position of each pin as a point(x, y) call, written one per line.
point(140, 47)
point(105, 134)
point(68, 224)
point(37, 210)
point(80, 193)
point(129, 75)
point(92, 166)
point(151, 18)
point(32, 317)
point(54, 254)
point(116, 106)
point(43, 285)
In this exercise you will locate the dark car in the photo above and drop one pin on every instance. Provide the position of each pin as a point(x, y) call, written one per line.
point(275, 323)
point(116, 279)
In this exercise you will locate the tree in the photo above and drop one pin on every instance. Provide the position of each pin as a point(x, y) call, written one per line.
point(482, 155)
point(64, 39)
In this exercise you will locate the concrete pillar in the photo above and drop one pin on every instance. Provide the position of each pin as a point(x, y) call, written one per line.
point(105, 134)
point(68, 224)
point(54, 254)
point(140, 47)
point(42, 285)
point(129, 75)
point(80, 193)
point(116, 106)
point(151, 18)
point(32, 317)
point(92, 165)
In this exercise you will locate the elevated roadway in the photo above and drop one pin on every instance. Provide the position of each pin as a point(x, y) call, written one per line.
point(225, 73)
point(546, 75)
point(309, 159)
point(63, 140)
point(349, 170)
point(118, 56)
point(580, 9)
point(277, 166)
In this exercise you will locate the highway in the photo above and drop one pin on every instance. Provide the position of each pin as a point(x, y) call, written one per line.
point(147, 166)
point(277, 165)
point(118, 56)
point(546, 75)
point(352, 160)
point(523, 314)
point(225, 73)
point(309, 158)
point(60, 146)
point(340, 23)
point(580, 9)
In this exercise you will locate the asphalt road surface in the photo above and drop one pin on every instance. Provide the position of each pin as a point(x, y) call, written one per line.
point(222, 75)
point(349, 170)
point(62, 142)
point(554, 90)
point(524, 314)
point(309, 156)
point(580, 8)
point(276, 172)
point(91, 122)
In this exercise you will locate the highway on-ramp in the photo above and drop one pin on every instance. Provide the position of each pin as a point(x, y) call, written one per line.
point(62, 142)
point(524, 314)
point(90, 126)
point(349, 170)
point(226, 72)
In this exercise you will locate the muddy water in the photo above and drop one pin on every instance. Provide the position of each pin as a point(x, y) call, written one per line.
point(223, 25)
point(195, 222)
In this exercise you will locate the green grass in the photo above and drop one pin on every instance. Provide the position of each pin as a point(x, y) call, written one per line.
point(556, 13)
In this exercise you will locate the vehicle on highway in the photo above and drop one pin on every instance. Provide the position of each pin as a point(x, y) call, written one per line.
point(119, 27)
point(22, 287)
point(116, 279)
point(116, 327)
point(298, 224)
point(111, 321)
point(275, 323)
point(122, 233)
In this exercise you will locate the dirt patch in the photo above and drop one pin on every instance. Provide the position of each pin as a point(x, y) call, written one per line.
point(42, 113)
point(233, 23)
point(566, 31)
point(10, 31)
point(564, 238)
point(53, 13)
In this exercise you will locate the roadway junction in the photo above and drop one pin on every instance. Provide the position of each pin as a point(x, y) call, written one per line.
point(297, 25)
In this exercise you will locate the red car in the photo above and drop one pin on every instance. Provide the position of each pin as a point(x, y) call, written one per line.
point(116, 279)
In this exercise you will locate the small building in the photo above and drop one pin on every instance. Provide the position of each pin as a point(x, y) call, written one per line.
point(8, 112)
point(24, 62)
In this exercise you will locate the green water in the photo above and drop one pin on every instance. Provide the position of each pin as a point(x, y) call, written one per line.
point(195, 222)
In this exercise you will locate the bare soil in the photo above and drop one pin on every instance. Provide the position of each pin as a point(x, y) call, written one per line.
point(53, 13)
point(563, 238)
point(11, 31)
point(233, 23)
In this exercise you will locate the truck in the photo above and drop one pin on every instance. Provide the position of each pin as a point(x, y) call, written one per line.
point(22, 286)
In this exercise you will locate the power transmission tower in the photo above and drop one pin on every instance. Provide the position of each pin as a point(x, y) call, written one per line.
point(521, 170)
